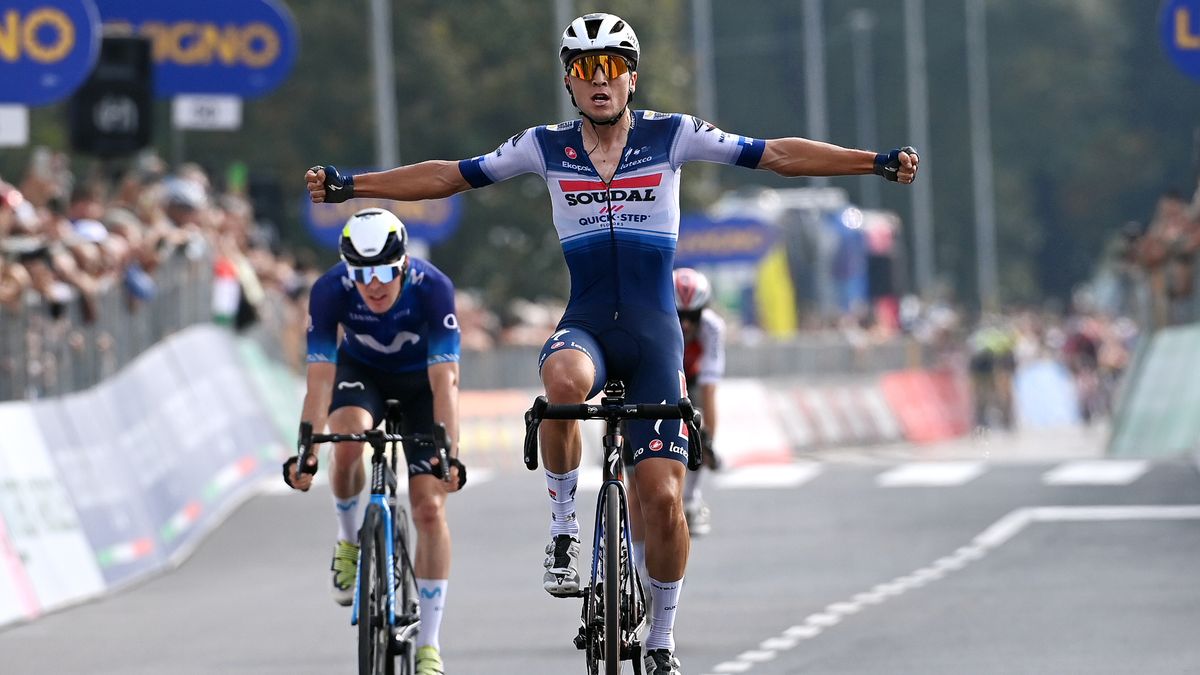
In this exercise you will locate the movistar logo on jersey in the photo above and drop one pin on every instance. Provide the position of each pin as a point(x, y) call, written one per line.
point(402, 338)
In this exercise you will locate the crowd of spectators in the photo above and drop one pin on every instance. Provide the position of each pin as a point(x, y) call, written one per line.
point(82, 255)
point(93, 248)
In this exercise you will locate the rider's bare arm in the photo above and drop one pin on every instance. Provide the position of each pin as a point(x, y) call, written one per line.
point(432, 179)
point(319, 380)
point(804, 157)
point(443, 380)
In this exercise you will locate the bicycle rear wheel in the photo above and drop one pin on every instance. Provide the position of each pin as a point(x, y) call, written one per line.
point(612, 579)
point(374, 631)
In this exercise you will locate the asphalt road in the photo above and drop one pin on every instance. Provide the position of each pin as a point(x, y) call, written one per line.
point(832, 567)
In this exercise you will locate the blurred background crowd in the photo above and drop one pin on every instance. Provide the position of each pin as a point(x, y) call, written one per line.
point(83, 254)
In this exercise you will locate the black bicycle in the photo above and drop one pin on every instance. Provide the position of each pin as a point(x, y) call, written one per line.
point(614, 603)
point(385, 610)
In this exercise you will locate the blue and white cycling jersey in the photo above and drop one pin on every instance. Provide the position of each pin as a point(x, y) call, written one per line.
point(618, 239)
point(619, 242)
point(421, 329)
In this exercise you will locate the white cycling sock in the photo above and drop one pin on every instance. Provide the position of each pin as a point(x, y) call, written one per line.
point(562, 502)
point(348, 519)
point(691, 487)
point(639, 559)
point(432, 598)
point(664, 596)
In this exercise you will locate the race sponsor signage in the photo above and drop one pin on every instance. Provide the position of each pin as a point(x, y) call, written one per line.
point(704, 241)
point(1179, 26)
point(41, 522)
point(47, 48)
point(430, 220)
point(244, 48)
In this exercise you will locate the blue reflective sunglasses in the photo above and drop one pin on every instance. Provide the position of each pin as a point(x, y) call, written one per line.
point(384, 273)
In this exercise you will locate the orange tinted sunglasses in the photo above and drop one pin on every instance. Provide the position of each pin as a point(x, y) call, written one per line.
point(585, 67)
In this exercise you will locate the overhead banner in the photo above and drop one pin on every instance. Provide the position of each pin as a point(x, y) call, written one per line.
point(240, 47)
point(703, 241)
point(47, 48)
point(431, 220)
point(1179, 25)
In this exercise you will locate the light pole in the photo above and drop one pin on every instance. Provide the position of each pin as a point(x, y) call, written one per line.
point(918, 131)
point(814, 77)
point(387, 149)
point(981, 154)
point(564, 11)
point(862, 27)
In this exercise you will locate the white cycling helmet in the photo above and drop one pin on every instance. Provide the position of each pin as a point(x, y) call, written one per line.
point(599, 32)
point(373, 237)
point(692, 290)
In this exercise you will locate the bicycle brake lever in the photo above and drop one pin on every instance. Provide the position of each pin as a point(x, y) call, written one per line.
point(442, 443)
point(304, 449)
point(533, 418)
point(691, 417)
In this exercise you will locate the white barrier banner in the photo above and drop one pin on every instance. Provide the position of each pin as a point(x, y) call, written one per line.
point(42, 524)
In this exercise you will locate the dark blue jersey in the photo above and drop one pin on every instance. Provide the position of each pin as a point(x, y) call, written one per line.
point(419, 330)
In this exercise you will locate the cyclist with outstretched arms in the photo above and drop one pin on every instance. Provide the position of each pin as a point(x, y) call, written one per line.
point(613, 179)
point(400, 341)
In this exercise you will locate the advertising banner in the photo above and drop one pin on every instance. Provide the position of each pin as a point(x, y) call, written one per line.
point(241, 47)
point(703, 241)
point(233, 431)
point(431, 221)
point(41, 521)
point(47, 48)
point(1179, 26)
point(86, 436)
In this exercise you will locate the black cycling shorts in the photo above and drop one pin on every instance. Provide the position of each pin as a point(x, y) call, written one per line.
point(361, 386)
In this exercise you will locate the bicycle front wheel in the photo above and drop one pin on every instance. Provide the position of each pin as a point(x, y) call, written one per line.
point(612, 579)
point(374, 632)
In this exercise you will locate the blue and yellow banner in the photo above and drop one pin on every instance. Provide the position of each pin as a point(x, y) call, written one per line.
point(1179, 25)
point(47, 48)
point(703, 241)
point(242, 48)
point(431, 221)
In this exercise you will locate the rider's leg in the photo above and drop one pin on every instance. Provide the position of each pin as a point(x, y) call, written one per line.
point(660, 494)
point(346, 474)
point(432, 559)
point(568, 376)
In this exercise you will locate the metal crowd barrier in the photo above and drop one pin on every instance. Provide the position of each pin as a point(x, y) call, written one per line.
point(44, 355)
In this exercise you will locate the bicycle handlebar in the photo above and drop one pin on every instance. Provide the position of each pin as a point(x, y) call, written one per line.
point(544, 410)
point(437, 439)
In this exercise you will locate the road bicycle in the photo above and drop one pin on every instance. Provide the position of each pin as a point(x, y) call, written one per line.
point(614, 603)
point(385, 609)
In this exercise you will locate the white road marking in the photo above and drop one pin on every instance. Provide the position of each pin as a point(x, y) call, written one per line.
point(930, 474)
point(991, 538)
point(768, 476)
point(1097, 472)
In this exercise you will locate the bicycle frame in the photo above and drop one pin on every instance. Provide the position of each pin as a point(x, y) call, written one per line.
point(383, 496)
point(383, 490)
point(601, 636)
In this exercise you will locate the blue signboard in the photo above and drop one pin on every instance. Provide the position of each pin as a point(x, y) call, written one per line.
point(431, 221)
point(1179, 25)
point(703, 241)
point(238, 47)
point(47, 48)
